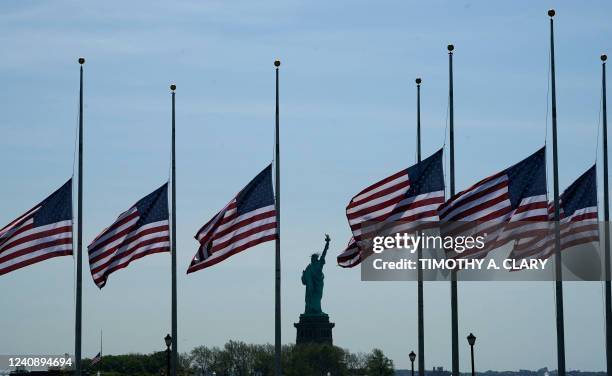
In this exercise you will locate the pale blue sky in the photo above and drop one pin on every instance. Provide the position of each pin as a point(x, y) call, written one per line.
point(347, 118)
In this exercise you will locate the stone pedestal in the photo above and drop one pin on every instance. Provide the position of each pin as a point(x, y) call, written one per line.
point(314, 329)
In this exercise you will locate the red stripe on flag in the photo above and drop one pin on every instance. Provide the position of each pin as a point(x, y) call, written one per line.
point(206, 264)
point(34, 260)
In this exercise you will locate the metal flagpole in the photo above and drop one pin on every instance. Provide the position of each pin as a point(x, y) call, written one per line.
point(558, 276)
point(277, 278)
point(454, 309)
point(421, 329)
point(174, 357)
point(100, 352)
point(606, 220)
point(79, 237)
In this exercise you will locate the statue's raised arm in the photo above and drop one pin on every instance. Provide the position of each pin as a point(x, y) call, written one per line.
point(327, 240)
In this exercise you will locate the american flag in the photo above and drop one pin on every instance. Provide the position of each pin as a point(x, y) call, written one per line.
point(578, 220)
point(43, 232)
point(405, 201)
point(140, 231)
point(505, 206)
point(351, 256)
point(96, 359)
point(249, 219)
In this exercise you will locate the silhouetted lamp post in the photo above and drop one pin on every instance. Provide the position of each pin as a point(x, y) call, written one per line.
point(471, 340)
point(168, 340)
point(412, 357)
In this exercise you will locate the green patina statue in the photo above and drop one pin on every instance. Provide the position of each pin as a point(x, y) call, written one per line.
point(312, 278)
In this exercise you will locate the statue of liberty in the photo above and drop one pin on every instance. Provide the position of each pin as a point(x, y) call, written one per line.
point(312, 278)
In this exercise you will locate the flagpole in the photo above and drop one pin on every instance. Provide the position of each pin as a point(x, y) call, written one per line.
point(454, 309)
point(421, 324)
point(558, 276)
point(100, 352)
point(606, 220)
point(174, 357)
point(79, 237)
point(277, 279)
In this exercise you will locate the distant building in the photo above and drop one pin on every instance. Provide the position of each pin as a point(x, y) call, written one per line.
point(438, 371)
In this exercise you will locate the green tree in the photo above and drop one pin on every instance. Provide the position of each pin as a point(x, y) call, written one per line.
point(378, 364)
point(263, 359)
point(184, 366)
point(237, 358)
point(356, 363)
point(241, 358)
point(202, 358)
point(316, 360)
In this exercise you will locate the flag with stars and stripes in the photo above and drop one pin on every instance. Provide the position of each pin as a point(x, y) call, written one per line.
point(247, 220)
point(503, 207)
point(140, 231)
point(351, 256)
point(577, 220)
point(96, 359)
point(43, 232)
point(403, 202)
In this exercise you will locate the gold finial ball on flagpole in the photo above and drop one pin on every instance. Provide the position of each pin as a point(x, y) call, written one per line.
point(277, 63)
point(604, 57)
point(450, 48)
point(81, 60)
point(173, 87)
point(418, 81)
point(551, 12)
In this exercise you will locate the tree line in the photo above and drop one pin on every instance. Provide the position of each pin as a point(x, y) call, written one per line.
point(237, 358)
